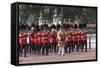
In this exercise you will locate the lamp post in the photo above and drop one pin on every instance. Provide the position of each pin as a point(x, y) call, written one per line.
point(61, 17)
point(55, 16)
point(46, 14)
point(84, 12)
point(76, 20)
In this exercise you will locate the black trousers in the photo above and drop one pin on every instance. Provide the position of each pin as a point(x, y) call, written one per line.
point(28, 48)
point(67, 47)
point(73, 45)
point(23, 50)
point(80, 45)
point(39, 47)
point(84, 44)
point(53, 47)
point(33, 48)
point(45, 49)
point(50, 47)
point(76, 44)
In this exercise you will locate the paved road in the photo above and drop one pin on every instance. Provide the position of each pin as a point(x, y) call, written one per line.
point(91, 54)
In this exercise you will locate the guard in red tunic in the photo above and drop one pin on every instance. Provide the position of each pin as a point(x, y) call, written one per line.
point(53, 40)
point(20, 36)
point(23, 43)
point(79, 41)
point(49, 46)
point(45, 41)
point(39, 44)
point(70, 41)
point(73, 34)
point(35, 48)
point(31, 40)
point(75, 39)
point(27, 39)
point(66, 41)
point(84, 40)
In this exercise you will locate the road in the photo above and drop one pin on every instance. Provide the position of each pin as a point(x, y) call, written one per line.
point(35, 58)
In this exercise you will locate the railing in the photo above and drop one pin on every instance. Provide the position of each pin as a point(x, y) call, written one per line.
point(91, 41)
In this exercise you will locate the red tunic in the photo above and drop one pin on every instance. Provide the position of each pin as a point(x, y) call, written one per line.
point(75, 38)
point(32, 40)
point(79, 38)
point(70, 39)
point(39, 37)
point(30, 34)
point(22, 41)
point(39, 40)
point(35, 38)
point(74, 34)
point(66, 37)
point(39, 34)
point(52, 37)
point(21, 34)
point(44, 38)
point(84, 37)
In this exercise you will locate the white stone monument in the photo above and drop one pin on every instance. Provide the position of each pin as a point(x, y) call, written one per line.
point(55, 17)
point(41, 19)
point(60, 17)
point(76, 20)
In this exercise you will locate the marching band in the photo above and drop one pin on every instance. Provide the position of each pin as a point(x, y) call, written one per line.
point(54, 39)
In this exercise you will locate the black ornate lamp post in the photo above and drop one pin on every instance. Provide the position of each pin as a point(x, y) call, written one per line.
point(46, 14)
point(55, 16)
point(84, 15)
point(61, 16)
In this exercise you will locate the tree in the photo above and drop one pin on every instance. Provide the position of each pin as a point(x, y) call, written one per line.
point(30, 13)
